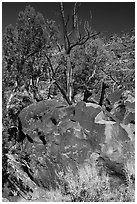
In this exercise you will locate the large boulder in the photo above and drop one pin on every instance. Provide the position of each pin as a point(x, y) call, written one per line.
point(59, 137)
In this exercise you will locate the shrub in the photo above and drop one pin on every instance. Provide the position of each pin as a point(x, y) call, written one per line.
point(89, 186)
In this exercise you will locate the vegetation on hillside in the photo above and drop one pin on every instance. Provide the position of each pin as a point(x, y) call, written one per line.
point(68, 63)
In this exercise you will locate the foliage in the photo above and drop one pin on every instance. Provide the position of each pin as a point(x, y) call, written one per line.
point(99, 60)
point(87, 186)
point(22, 51)
point(11, 181)
point(41, 140)
point(36, 53)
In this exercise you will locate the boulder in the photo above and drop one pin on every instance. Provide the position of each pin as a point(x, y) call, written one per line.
point(61, 137)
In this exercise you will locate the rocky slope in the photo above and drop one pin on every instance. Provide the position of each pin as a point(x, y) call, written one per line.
point(58, 138)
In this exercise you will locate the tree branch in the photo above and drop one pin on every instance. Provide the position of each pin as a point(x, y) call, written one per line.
point(53, 73)
point(59, 46)
point(94, 71)
point(57, 68)
point(83, 40)
point(103, 91)
point(74, 16)
point(57, 84)
point(63, 93)
point(65, 35)
point(109, 76)
point(33, 53)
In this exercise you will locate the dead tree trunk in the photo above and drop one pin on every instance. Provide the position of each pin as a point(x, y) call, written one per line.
point(68, 45)
point(103, 91)
point(69, 77)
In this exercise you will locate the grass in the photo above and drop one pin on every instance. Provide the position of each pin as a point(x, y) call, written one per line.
point(89, 186)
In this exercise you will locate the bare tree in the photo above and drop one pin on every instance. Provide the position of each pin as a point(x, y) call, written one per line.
point(68, 44)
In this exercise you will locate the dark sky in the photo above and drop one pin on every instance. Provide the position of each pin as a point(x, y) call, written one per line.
point(106, 16)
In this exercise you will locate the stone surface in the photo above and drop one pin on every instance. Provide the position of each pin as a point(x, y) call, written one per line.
point(64, 137)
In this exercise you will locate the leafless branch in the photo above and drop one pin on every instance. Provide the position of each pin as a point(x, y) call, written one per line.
point(83, 40)
point(93, 74)
point(59, 46)
point(54, 81)
point(63, 93)
point(109, 76)
point(51, 67)
point(87, 28)
point(74, 16)
point(57, 68)
point(75, 21)
point(33, 53)
point(69, 34)
point(65, 35)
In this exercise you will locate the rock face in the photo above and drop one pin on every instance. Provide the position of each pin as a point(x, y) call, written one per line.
point(60, 137)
